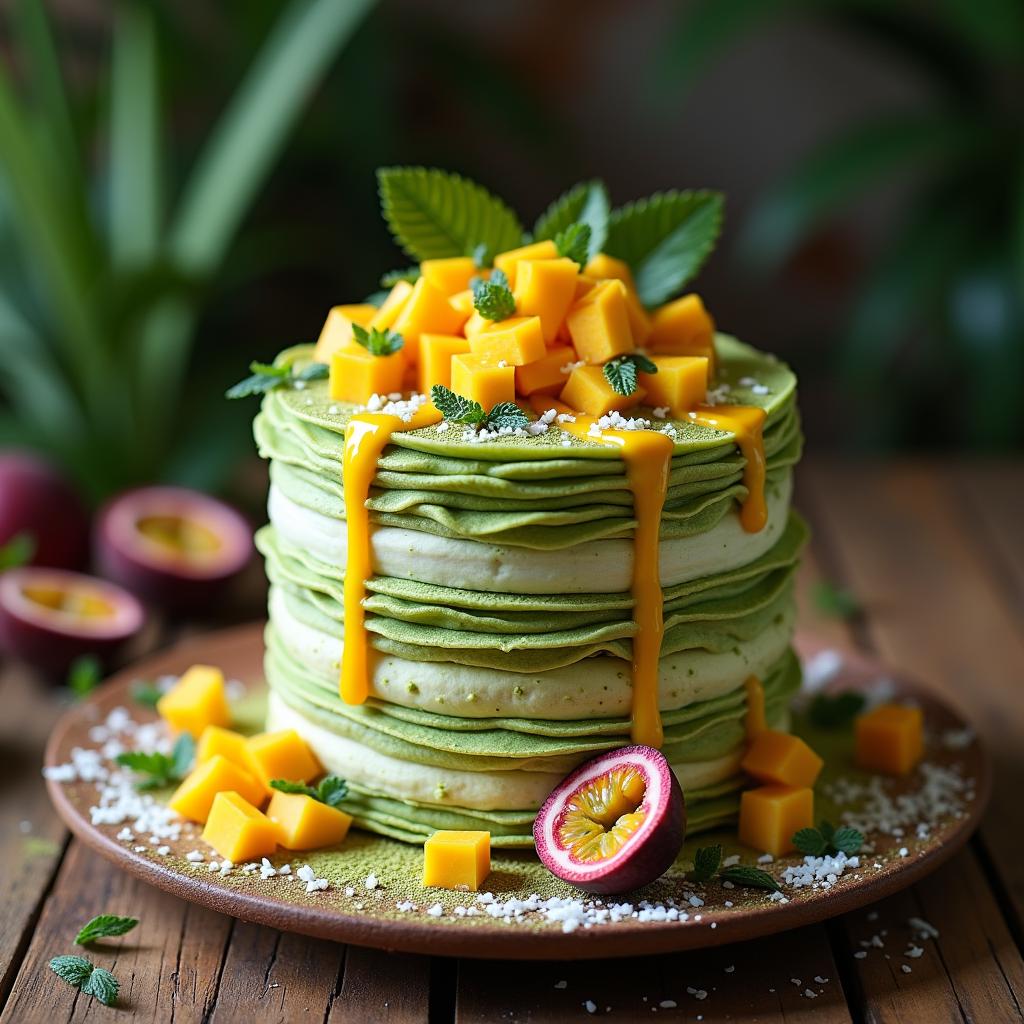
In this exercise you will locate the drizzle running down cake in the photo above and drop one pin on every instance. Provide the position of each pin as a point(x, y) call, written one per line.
point(526, 507)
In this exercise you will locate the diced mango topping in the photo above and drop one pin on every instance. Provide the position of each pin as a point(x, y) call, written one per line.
point(483, 381)
point(604, 266)
point(449, 275)
point(546, 288)
point(356, 373)
point(436, 351)
point(463, 302)
point(237, 830)
point(508, 262)
point(683, 327)
point(455, 859)
point(194, 797)
point(681, 383)
point(195, 701)
point(284, 755)
point(781, 758)
point(889, 739)
point(516, 341)
point(599, 324)
point(232, 745)
point(337, 329)
point(770, 815)
point(588, 391)
point(303, 823)
point(387, 314)
point(546, 374)
point(426, 309)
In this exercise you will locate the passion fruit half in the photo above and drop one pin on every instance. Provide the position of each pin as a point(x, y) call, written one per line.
point(48, 617)
point(174, 547)
point(615, 824)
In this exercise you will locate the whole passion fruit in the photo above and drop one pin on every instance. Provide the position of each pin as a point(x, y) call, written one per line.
point(173, 547)
point(615, 824)
point(48, 617)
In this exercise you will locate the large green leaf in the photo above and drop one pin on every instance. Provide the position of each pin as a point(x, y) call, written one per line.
point(665, 239)
point(434, 214)
point(586, 203)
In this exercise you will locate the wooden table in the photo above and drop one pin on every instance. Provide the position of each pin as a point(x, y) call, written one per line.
point(935, 555)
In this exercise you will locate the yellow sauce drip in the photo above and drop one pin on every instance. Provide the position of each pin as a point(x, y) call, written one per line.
point(747, 423)
point(366, 437)
point(757, 720)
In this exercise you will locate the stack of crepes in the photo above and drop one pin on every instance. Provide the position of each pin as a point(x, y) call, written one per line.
point(499, 615)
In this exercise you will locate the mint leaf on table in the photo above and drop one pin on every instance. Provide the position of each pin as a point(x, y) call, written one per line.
point(456, 408)
point(433, 214)
point(835, 712)
point(376, 341)
point(749, 877)
point(621, 372)
point(72, 969)
point(493, 298)
point(835, 601)
point(574, 242)
point(92, 981)
point(17, 551)
point(392, 277)
point(160, 769)
point(103, 985)
point(266, 377)
point(105, 926)
point(331, 789)
point(706, 863)
point(586, 203)
point(84, 675)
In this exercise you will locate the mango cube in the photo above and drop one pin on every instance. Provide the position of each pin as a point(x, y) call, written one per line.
point(474, 324)
point(889, 739)
point(195, 701)
point(683, 327)
point(546, 288)
point(237, 830)
point(452, 860)
point(283, 755)
point(356, 374)
point(337, 329)
point(640, 323)
point(426, 309)
point(508, 262)
point(232, 745)
point(681, 383)
point(770, 815)
point(303, 823)
point(545, 374)
point(599, 323)
point(588, 392)
point(436, 351)
point(387, 314)
point(463, 302)
point(516, 341)
point(483, 381)
point(604, 266)
point(194, 797)
point(781, 758)
point(449, 275)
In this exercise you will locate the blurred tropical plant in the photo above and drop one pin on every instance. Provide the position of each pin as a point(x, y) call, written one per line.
point(105, 269)
point(943, 303)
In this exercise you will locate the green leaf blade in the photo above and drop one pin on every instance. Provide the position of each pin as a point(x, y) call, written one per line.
point(809, 841)
point(621, 375)
point(290, 786)
point(706, 863)
point(105, 926)
point(750, 878)
point(586, 203)
point(847, 840)
point(103, 985)
point(332, 790)
point(72, 969)
point(506, 415)
point(456, 408)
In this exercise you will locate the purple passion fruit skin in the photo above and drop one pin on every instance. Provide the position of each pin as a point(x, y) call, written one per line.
point(615, 824)
point(36, 500)
point(49, 617)
point(173, 547)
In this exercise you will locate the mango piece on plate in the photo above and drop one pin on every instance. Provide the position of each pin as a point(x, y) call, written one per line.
point(356, 374)
point(508, 261)
point(889, 739)
point(483, 381)
point(385, 317)
point(426, 309)
point(770, 815)
point(463, 302)
point(233, 745)
point(284, 755)
point(306, 824)
point(681, 383)
point(436, 351)
point(337, 329)
point(237, 830)
point(195, 701)
point(545, 374)
point(683, 327)
point(599, 323)
point(194, 797)
point(781, 758)
point(449, 275)
point(588, 392)
point(474, 325)
point(546, 288)
point(455, 860)
point(515, 341)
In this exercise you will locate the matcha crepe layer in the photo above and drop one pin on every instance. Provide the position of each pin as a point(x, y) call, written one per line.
point(500, 614)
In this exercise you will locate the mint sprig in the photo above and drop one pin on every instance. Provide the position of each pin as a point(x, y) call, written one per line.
point(835, 712)
point(457, 408)
point(92, 981)
point(331, 789)
point(621, 372)
point(266, 377)
point(749, 877)
point(493, 298)
point(84, 675)
point(17, 551)
point(574, 242)
point(105, 926)
point(827, 839)
point(376, 341)
point(706, 863)
point(160, 769)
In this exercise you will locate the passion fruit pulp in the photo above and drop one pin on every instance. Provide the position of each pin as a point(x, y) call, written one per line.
point(615, 824)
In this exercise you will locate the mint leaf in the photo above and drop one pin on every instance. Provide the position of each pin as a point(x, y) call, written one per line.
point(433, 214)
point(827, 831)
point(809, 841)
point(665, 239)
point(483, 258)
point(182, 756)
point(17, 551)
point(621, 372)
point(586, 203)
point(834, 601)
point(84, 675)
point(493, 298)
point(332, 790)
point(574, 242)
point(847, 840)
point(286, 786)
point(376, 341)
point(72, 969)
point(749, 877)
point(835, 712)
point(392, 277)
point(315, 371)
point(105, 926)
point(455, 408)
point(506, 414)
point(159, 769)
point(146, 694)
point(103, 985)
point(266, 377)
point(706, 862)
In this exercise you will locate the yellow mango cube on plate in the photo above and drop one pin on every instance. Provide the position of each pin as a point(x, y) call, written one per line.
point(683, 327)
point(770, 815)
point(306, 824)
point(508, 262)
point(546, 288)
point(516, 341)
point(356, 374)
point(599, 323)
point(456, 860)
point(196, 700)
point(889, 739)
point(337, 329)
point(463, 302)
point(588, 392)
point(681, 383)
point(426, 310)
point(604, 266)
point(284, 755)
point(385, 317)
point(237, 830)
point(436, 351)
point(483, 381)
point(449, 275)
point(230, 744)
point(474, 325)
point(194, 797)
point(545, 374)
point(781, 758)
